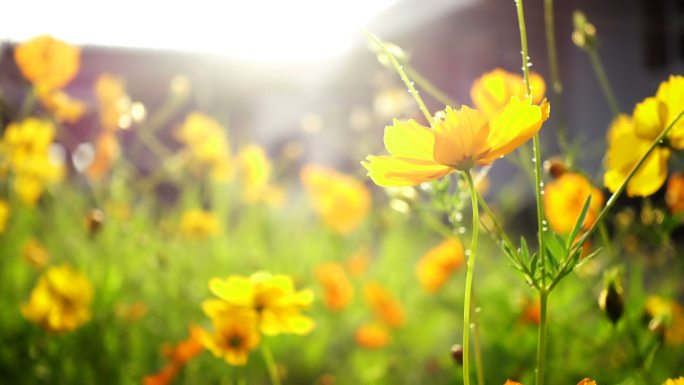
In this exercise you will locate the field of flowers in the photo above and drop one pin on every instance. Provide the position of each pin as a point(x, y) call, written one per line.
point(225, 262)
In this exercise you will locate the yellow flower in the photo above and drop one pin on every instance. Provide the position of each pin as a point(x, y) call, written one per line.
point(341, 201)
point(436, 266)
point(654, 114)
point(255, 173)
point(564, 199)
point(625, 148)
point(4, 215)
point(372, 336)
point(385, 307)
point(339, 292)
point(47, 63)
point(199, 224)
point(494, 89)
point(35, 254)
point(112, 100)
point(460, 140)
point(235, 335)
point(674, 381)
point(674, 195)
point(272, 297)
point(60, 301)
point(669, 315)
point(63, 107)
point(207, 143)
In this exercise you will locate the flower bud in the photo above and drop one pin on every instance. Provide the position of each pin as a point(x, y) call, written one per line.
point(555, 167)
point(611, 300)
point(457, 353)
point(94, 220)
point(584, 35)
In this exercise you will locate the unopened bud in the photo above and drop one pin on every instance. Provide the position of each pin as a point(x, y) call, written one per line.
point(555, 167)
point(94, 221)
point(584, 35)
point(611, 300)
point(457, 353)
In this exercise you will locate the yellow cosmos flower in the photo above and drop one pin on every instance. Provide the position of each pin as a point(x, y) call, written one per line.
point(460, 140)
point(674, 195)
point(35, 254)
point(199, 224)
point(207, 144)
point(272, 297)
point(372, 336)
point(656, 113)
point(235, 336)
point(492, 91)
point(63, 107)
point(4, 215)
point(47, 63)
point(255, 173)
point(436, 266)
point(383, 304)
point(112, 100)
point(668, 314)
point(338, 290)
point(340, 200)
point(674, 381)
point(60, 301)
point(564, 199)
point(625, 148)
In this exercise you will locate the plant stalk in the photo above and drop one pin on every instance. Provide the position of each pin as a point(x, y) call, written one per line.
point(556, 84)
point(270, 365)
point(469, 279)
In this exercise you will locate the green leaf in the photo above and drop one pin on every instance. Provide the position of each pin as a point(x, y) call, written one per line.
point(578, 225)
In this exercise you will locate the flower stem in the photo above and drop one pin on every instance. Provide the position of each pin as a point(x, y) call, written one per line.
point(28, 103)
point(541, 345)
point(603, 80)
point(479, 366)
point(402, 74)
point(469, 279)
point(556, 84)
point(270, 365)
point(429, 87)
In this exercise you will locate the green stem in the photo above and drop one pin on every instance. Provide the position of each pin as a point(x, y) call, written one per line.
point(613, 198)
point(479, 366)
point(402, 74)
point(469, 279)
point(270, 365)
point(541, 346)
point(603, 81)
point(28, 103)
point(430, 88)
point(556, 84)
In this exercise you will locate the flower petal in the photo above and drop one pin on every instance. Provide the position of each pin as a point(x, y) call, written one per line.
point(512, 126)
point(388, 171)
point(409, 139)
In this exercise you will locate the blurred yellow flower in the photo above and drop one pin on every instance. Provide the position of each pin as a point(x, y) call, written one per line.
point(199, 224)
point(435, 267)
point(25, 148)
point(461, 139)
point(341, 201)
point(107, 150)
point(35, 254)
point(625, 148)
point(654, 114)
point(207, 144)
point(372, 336)
point(674, 195)
point(273, 297)
point(235, 335)
point(666, 315)
point(4, 215)
point(254, 169)
point(47, 63)
point(358, 263)
point(112, 100)
point(492, 91)
point(383, 304)
point(564, 199)
point(674, 381)
point(338, 291)
point(63, 107)
point(60, 301)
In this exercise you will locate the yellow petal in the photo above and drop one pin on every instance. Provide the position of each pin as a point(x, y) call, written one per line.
point(649, 118)
point(410, 140)
point(671, 93)
point(460, 136)
point(512, 126)
point(235, 290)
point(388, 171)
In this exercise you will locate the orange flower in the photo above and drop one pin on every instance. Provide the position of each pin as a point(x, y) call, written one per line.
point(531, 312)
point(340, 200)
point(106, 152)
point(130, 312)
point(35, 254)
point(372, 336)
point(436, 266)
point(358, 263)
point(670, 315)
point(385, 307)
point(63, 107)
point(112, 100)
point(459, 140)
point(178, 356)
point(674, 196)
point(47, 63)
point(587, 381)
point(492, 90)
point(511, 382)
point(339, 292)
point(564, 199)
